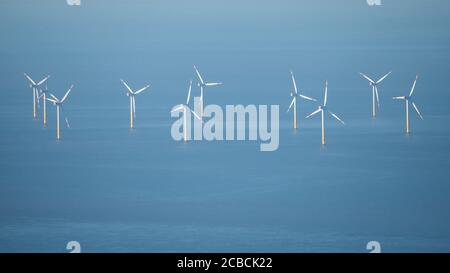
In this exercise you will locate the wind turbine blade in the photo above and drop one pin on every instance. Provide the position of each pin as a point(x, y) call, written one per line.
point(376, 95)
point(213, 83)
point(367, 78)
point(199, 76)
point(36, 94)
point(384, 77)
point(307, 98)
point(29, 79)
point(417, 110)
point(67, 93)
point(53, 96)
point(42, 81)
point(65, 117)
point(293, 82)
point(196, 116)
point(175, 109)
point(142, 89)
point(336, 117)
point(51, 100)
point(292, 102)
point(313, 113)
point(414, 86)
point(134, 106)
point(189, 93)
point(126, 85)
point(398, 98)
point(326, 94)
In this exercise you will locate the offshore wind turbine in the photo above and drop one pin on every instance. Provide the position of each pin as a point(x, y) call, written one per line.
point(132, 94)
point(202, 84)
point(375, 95)
point(294, 95)
point(407, 100)
point(59, 103)
point(324, 109)
point(185, 108)
point(35, 87)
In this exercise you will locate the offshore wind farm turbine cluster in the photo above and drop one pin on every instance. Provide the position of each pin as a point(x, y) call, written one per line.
point(323, 109)
point(38, 92)
point(185, 107)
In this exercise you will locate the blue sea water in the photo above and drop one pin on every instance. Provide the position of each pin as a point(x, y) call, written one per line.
point(119, 190)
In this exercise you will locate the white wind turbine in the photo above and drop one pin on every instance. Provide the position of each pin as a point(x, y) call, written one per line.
point(185, 108)
point(202, 84)
point(35, 87)
point(323, 109)
point(58, 103)
point(132, 94)
point(294, 95)
point(409, 99)
point(375, 95)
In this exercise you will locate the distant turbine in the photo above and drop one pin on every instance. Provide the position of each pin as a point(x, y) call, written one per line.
point(375, 91)
point(35, 87)
point(58, 103)
point(185, 108)
point(294, 95)
point(132, 94)
point(408, 99)
point(323, 108)
point(202, 84)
